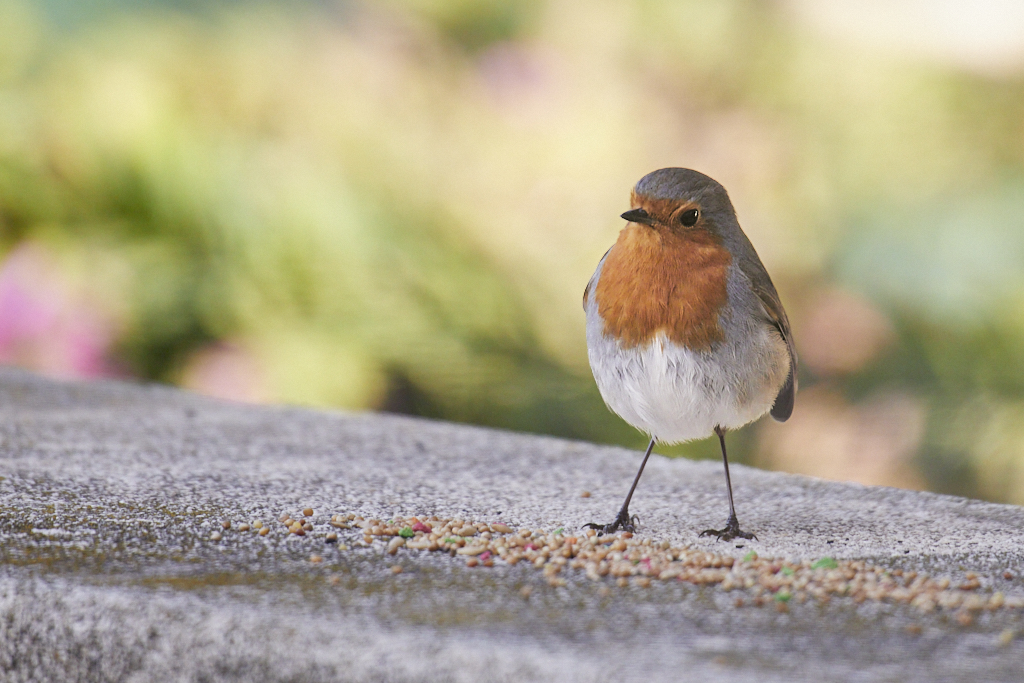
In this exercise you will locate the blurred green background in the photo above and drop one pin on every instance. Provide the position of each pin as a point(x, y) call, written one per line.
point(396, 205)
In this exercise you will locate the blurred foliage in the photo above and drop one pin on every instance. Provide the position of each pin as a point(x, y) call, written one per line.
point(397, 204)
point(475, 24)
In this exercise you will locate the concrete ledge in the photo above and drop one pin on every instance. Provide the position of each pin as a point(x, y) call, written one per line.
point(109, 494)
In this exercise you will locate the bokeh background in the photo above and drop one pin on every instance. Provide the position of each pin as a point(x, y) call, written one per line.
point(396, 205)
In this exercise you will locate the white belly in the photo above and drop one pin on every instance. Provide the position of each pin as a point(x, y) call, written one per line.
point(674, 394)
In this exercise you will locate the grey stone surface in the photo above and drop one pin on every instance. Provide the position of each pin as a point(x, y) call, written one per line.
point(109, 493)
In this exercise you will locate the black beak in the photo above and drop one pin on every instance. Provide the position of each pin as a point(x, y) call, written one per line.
point(638, 216)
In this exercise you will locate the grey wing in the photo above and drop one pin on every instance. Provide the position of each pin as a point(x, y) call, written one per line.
point(765, 290)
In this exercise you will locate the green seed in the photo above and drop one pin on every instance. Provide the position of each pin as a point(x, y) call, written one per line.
point(825, 563)
point(407, 532)
point(750, 556)
point(783, 596)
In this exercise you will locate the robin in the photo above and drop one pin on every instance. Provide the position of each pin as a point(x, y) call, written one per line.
point(685, 331)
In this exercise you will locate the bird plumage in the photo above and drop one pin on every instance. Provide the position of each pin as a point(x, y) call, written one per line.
point(685, 330)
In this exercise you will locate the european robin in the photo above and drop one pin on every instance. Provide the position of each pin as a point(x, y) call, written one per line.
point(685, 331)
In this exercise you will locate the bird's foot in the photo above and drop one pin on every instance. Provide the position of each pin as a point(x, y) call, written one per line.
point(732, 530)
point(624, 521)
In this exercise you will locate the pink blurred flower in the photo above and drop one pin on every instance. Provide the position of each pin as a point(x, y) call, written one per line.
point(45, 325)
point(228, 371)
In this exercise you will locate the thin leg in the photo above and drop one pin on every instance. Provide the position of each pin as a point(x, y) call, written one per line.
point(624, 521)
point(732, 527)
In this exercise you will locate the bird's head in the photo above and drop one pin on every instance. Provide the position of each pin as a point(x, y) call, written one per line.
point(674, 200)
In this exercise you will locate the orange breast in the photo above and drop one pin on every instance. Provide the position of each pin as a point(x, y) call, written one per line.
point(656, 280)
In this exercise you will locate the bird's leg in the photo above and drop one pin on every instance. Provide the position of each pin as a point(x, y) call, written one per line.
point(732, 527)
point(624, 521)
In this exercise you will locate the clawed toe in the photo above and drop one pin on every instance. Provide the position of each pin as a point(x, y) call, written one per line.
point(623, 522)
point(602, 529)
point(732, 530)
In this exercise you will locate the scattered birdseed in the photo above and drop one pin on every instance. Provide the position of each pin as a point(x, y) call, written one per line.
point(316, 559)
point(226, 524)
point(622, 559)
point(585, 494)
point(215, 536)
point(243, 527)
point(396, 569)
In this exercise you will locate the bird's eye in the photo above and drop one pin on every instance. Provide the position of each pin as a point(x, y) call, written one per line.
point(689, 218)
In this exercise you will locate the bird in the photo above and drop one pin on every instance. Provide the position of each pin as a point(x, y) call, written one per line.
point(686, 334)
